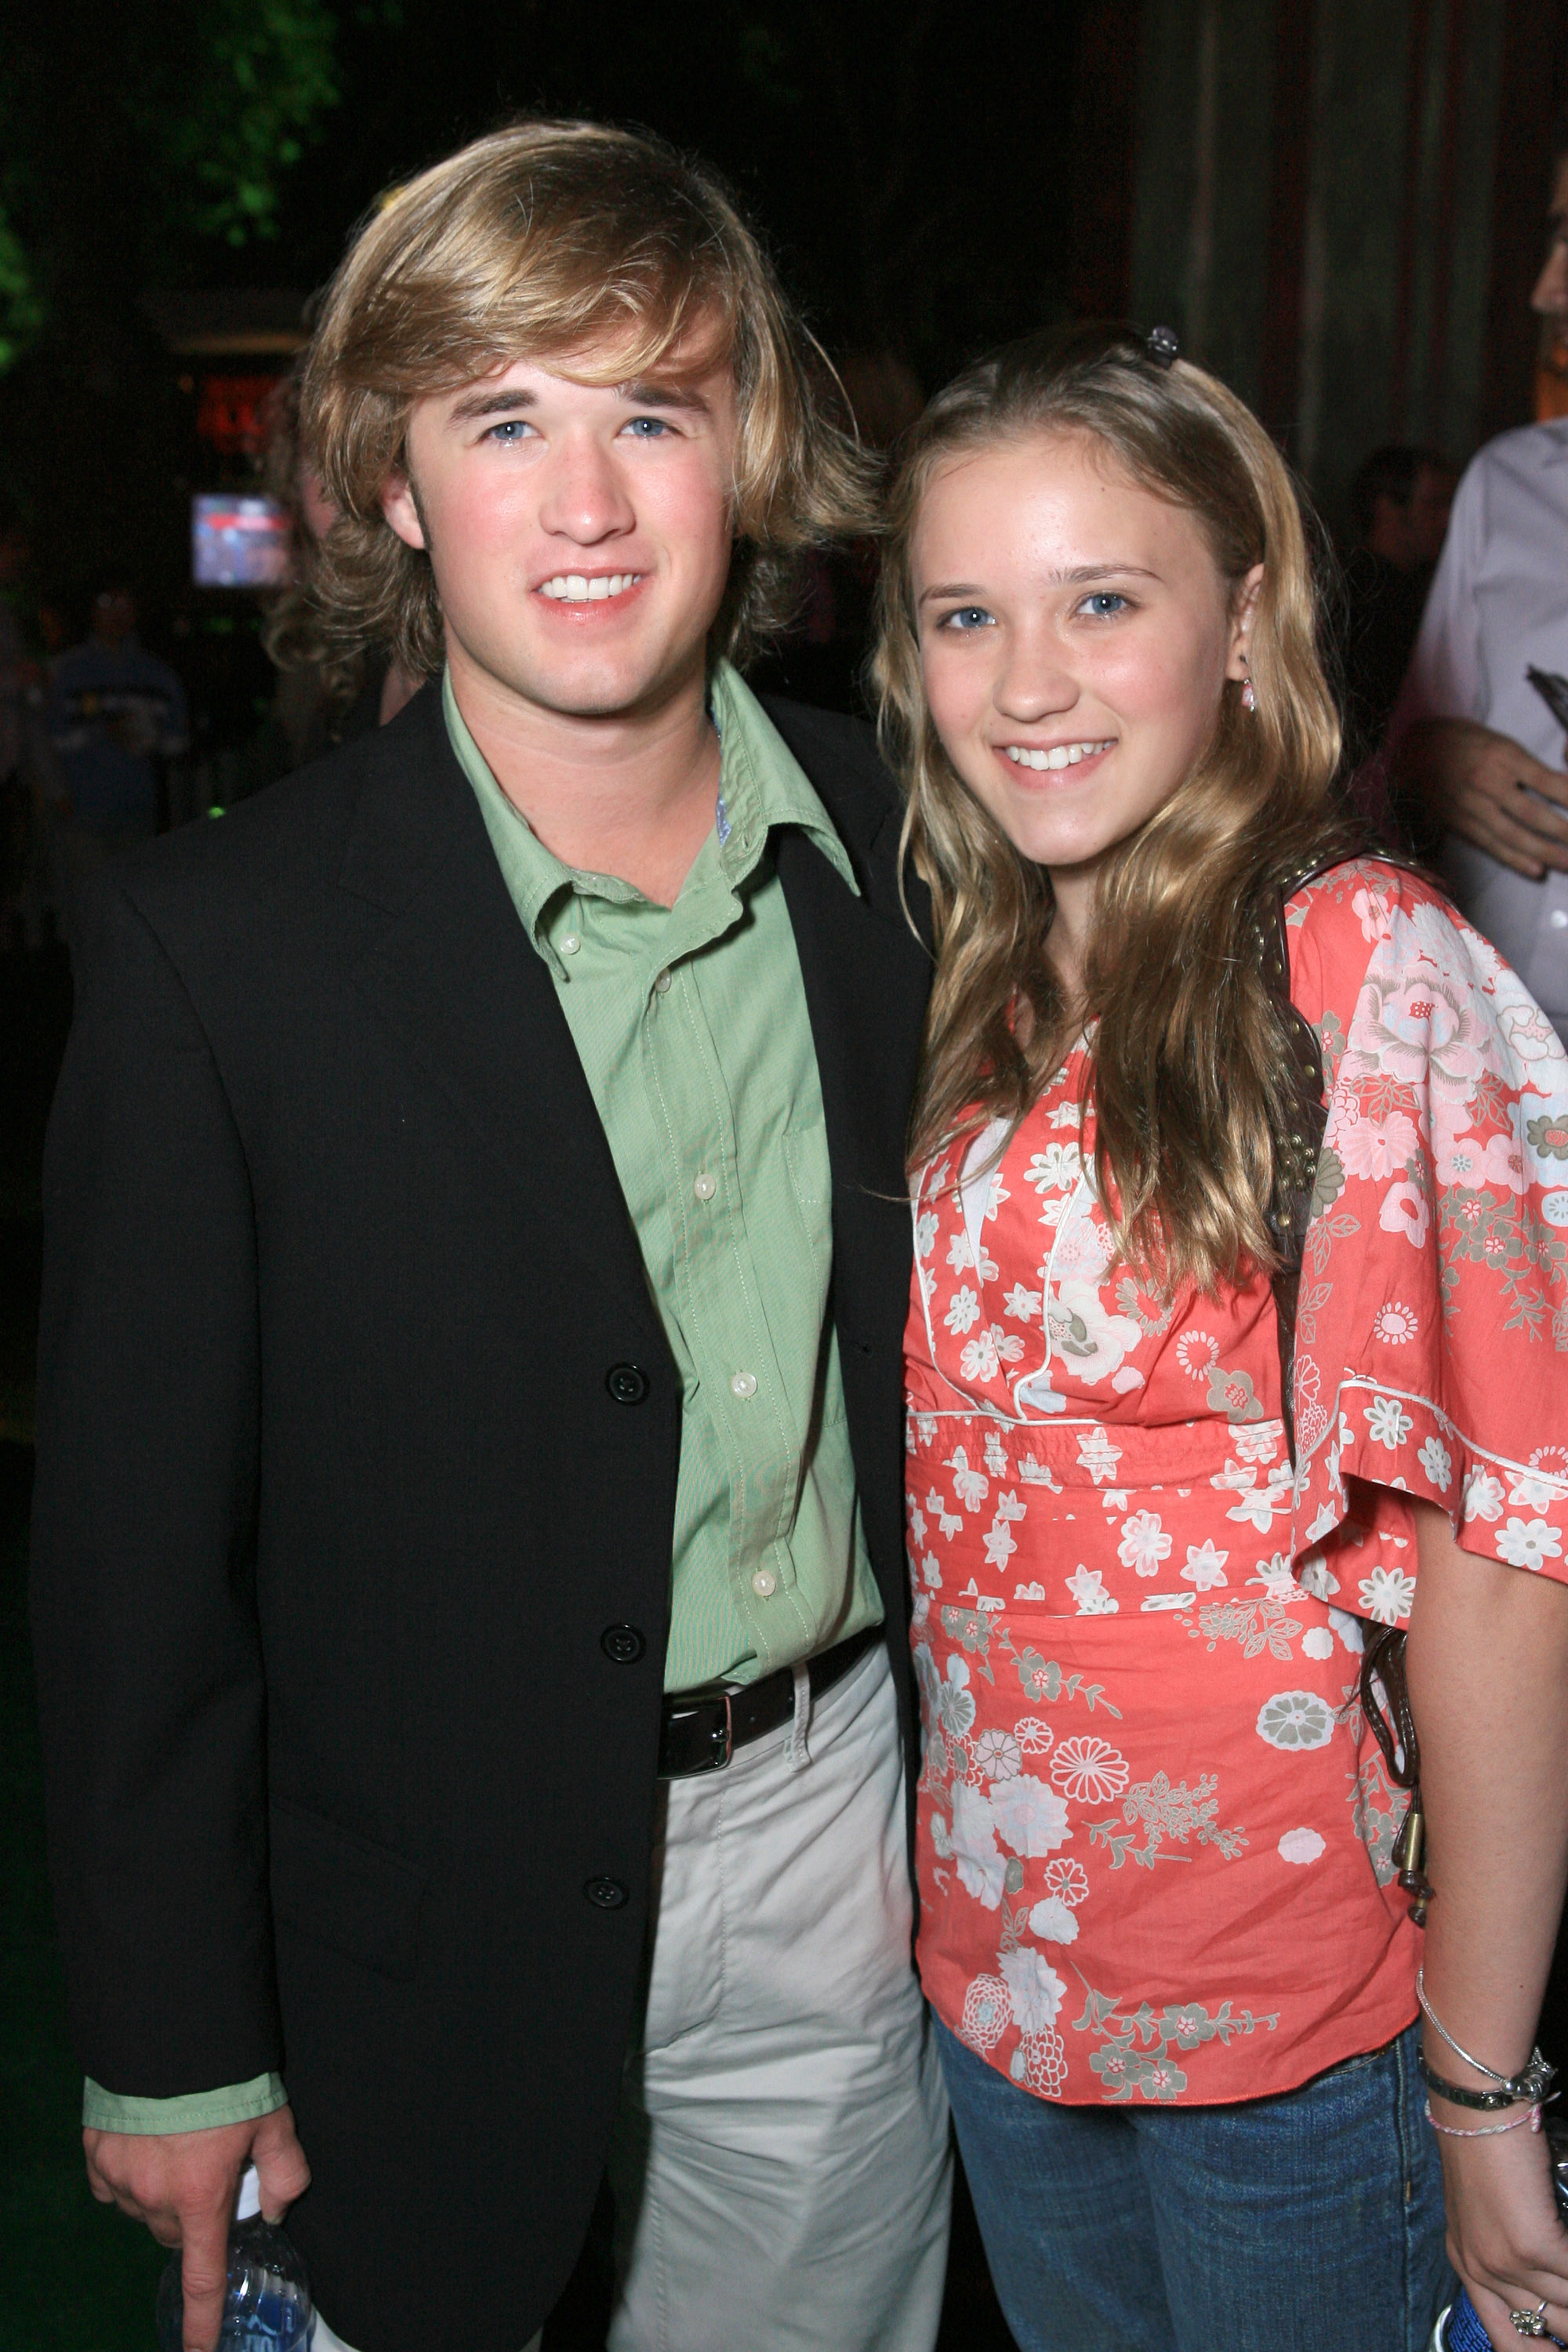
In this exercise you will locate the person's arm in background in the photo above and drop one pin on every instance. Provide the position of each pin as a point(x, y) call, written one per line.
point(1447, 772)
point(151, 1685)
point(1488, 1665)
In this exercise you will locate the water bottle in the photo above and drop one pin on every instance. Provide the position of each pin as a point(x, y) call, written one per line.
point(268, 2307)
point(1460, 2329)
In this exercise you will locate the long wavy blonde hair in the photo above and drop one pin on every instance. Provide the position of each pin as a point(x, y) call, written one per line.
point(1190, 1072)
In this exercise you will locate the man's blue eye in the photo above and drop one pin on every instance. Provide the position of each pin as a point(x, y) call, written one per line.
point(1105, 603)
point(646, 429)
point(510, 432)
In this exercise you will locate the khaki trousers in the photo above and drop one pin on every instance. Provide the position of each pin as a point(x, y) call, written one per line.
point(781, 2164)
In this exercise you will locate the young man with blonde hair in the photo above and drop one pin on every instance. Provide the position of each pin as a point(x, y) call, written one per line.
point(469, 1590)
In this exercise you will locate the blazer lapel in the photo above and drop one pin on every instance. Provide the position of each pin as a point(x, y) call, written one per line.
point(454, 975)
point(867, 980)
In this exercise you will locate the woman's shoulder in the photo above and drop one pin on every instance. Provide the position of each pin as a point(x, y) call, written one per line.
point(1355, 900)
point(1368, 912)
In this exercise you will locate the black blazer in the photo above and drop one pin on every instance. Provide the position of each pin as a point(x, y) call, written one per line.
point(345, 1498)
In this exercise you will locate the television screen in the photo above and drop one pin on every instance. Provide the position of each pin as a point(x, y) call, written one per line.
point(239, 543)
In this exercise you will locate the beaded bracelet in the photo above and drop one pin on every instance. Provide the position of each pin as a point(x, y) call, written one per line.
point(1485, 2131)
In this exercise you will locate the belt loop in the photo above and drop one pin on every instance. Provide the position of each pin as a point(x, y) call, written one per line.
point(799, 1754)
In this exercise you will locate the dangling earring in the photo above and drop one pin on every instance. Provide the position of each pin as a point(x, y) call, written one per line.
point(1248, 695)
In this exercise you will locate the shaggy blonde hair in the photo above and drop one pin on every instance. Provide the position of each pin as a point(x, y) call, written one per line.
point(1189, 1072)
point(543, 240)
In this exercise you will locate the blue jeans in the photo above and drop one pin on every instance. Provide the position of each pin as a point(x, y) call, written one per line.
point(1307, 2222)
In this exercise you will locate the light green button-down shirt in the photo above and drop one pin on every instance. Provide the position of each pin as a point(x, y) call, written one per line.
point(692, 1026)
point(690, 1023)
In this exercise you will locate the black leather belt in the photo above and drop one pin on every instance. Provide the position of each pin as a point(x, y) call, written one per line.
point(702, 1729)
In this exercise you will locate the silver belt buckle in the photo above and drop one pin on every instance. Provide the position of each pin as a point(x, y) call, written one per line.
point(717, 1762)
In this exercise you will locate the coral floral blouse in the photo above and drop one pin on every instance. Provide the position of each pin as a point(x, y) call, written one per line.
point(1154, 1831)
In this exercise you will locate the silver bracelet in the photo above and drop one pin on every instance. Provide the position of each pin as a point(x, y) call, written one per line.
point(1533, 2079)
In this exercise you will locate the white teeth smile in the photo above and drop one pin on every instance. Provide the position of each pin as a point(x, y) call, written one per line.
point(1060, 755)
point(572, 588)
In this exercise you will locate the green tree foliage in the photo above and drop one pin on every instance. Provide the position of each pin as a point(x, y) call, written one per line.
point(264, 79)
point(21, 312)
point(131, 135)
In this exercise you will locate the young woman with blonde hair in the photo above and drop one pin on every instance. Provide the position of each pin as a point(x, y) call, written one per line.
point(1202, 1086)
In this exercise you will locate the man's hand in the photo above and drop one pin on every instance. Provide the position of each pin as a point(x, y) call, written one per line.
point(183, 2185)
point(1484, 786)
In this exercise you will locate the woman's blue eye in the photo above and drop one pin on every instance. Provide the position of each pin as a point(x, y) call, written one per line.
point(1104, 604)
point(968, 616)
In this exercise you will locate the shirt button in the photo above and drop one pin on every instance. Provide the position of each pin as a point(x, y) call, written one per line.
point(604, 1894)
point(704, 1186)
point(765, 1584)
point(627, 1383)
point(744, 1384)
point(571, 943)
point(662, 983)
point(1560, 919)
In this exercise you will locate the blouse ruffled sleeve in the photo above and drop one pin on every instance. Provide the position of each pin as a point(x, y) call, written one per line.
point(1431, 1341)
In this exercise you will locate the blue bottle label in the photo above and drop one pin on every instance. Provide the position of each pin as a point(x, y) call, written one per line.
point(1464, 2332)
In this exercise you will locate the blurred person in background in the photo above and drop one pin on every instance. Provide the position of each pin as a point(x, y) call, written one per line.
point(326, 694)
point(1475, 749)
point(118, 720)
point(1401, 498)
point(821, 659)
point(31, 788)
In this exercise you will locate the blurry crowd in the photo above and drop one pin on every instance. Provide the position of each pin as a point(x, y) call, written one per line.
point(1455, 702)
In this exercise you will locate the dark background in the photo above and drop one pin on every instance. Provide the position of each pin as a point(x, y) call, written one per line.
point(1338, 204)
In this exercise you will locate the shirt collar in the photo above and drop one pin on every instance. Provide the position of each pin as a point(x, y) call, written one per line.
point(762, 785)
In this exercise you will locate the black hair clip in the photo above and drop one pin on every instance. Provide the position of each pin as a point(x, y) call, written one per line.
point(1162, 346)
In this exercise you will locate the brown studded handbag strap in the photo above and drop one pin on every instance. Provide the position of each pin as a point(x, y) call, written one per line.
point(1382, 1677)
point(1296, 1150)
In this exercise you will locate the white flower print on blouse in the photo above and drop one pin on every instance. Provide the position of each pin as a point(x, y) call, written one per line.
point(1205, 1566)
point(980, 1865)
point(1088, 1770)
point(1387, 1594)
point(1028, 1816)
point(1036, 1989)
point(971, 1486)
point(1530, 1493)
point(1087, 1586)
point(1144, 1544)
point(961, 1257)
point(1387, 1422)
point(1052, 1921)
point(986, 1353)
point(1530, 1543)
point(1438, 1461)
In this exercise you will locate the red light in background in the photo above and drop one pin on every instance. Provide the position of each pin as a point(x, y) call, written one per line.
point(232, 412)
